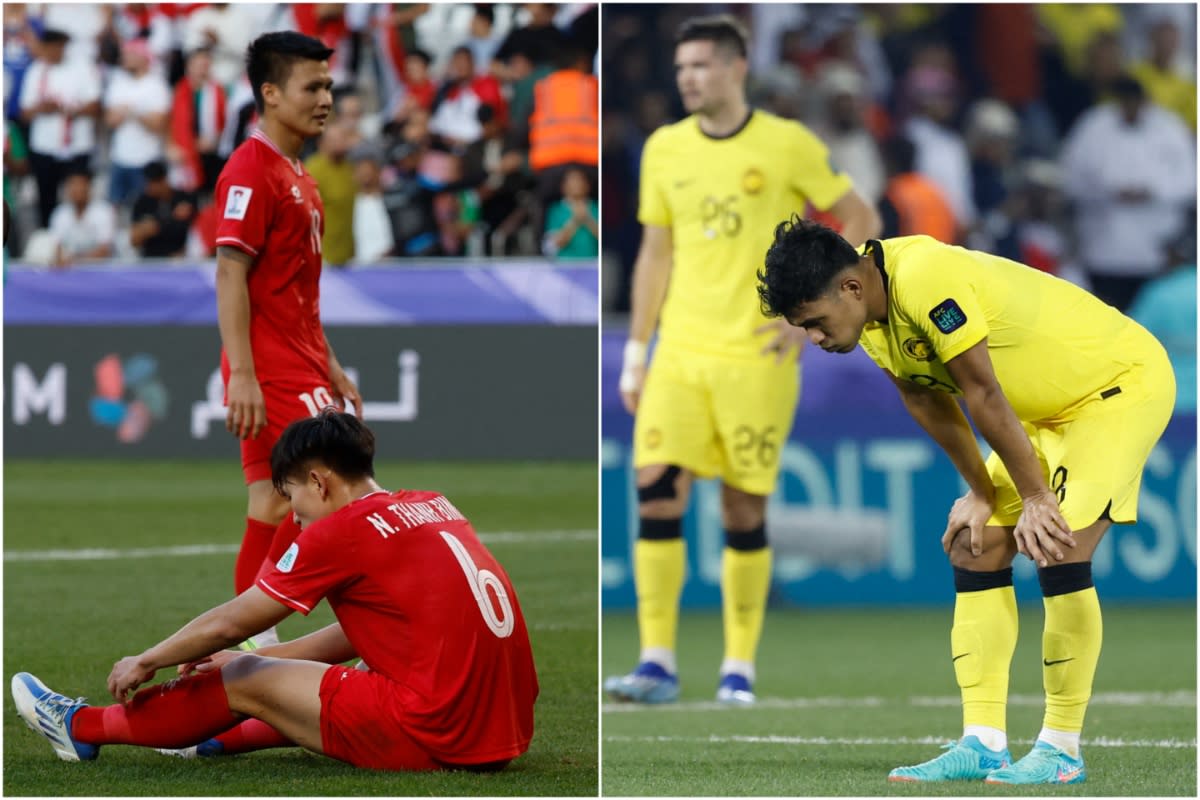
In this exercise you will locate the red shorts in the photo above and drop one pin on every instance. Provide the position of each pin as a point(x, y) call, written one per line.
point(285, 403)
point(353, 729)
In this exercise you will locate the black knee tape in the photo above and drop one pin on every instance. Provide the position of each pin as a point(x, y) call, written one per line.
point(966, 580)
point(753, 539)
point(661, 489)
point(660, 529)
point(1065, 578)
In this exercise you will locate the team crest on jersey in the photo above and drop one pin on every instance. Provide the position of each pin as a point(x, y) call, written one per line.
point(948, 316)
point(289, 558)
point(653, 438)
point(237, 201)
point(299, 198)
point(753, 181)
point(918, 349)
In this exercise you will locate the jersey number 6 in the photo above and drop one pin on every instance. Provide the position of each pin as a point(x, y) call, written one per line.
point(480, 581)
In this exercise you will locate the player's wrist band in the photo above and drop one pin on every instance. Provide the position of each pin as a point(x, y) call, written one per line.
point(635, 354)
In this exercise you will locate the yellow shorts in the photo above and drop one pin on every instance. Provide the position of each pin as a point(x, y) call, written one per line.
point(717, 417)
point(1094, 462)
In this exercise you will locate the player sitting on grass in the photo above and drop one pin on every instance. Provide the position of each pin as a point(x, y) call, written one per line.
point(452, 680)
point(1071, 395)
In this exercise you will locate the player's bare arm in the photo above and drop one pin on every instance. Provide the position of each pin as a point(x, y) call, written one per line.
point(328, 645)
point(249, 613)
point(860, 221)
point(344, 391)
point(246, 414)
point(1041, 530)
point(939, 414)
point(651, 273)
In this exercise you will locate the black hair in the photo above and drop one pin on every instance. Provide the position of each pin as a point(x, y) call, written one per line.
point(154, 171)
point(462, 48)
point(899, 155)
point(801, 263)
point(417, 52)
point(485, 114)
point(724, 30)
point(270, 57)
point(338, 440)
point(486, 11)
point(78, 172)
point(1125, 86)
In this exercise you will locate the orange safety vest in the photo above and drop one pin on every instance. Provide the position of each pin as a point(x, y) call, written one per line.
point(921, 208)
point(565, 125)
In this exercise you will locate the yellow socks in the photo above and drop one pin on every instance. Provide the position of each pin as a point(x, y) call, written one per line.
point(1070, 644)
point(745, 582)
point(659, 564)
point(982, 642)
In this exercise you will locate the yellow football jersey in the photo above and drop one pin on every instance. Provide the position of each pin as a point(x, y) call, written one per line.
point(722, 199)
point(1054, 347)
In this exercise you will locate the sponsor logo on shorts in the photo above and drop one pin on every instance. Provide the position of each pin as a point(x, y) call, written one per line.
point(918, 349)
point(237, 201)
point(289, 558)
point(948, 316)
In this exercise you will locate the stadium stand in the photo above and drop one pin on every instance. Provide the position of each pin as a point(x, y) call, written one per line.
point(443, 92)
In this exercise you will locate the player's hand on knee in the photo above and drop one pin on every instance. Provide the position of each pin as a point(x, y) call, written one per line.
point(788, 340)
point(209, 663)
point(1041, 531)
point(971, 512)
point(127, 674)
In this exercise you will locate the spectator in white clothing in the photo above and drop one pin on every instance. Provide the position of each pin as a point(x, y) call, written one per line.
point(843, 128)
point(136, 106)
point(373, 236)
point(60, 101)
point(1130, 169)
point(225, 30)
point(941, 153)
point(83, 229)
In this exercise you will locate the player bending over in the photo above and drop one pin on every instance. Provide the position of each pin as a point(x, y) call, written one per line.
point(415, 593)
point(1070, 394)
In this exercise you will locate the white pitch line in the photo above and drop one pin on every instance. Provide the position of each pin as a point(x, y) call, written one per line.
point(1166, 744)
point(1157, 699)
point(102, 553)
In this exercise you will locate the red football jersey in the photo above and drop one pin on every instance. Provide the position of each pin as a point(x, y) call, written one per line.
point(270, 209)
point(425, 604)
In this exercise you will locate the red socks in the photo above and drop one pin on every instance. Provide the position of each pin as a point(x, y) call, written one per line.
point(255, 544)
point(282, 539)
point(178, 713)
point(251, 735)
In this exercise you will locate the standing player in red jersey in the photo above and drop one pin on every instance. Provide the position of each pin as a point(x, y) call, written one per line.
point(276, 361)
point(452, 681)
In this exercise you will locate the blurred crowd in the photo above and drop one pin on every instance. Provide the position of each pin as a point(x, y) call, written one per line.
point(1059, 135)
point(458, 129)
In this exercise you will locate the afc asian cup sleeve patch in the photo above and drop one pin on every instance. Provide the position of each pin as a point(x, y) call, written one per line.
point(237, 201)
point(289, 558)
point(948, 316)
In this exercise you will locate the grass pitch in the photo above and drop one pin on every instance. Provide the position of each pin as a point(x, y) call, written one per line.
point(844, 696)
point(68, 618)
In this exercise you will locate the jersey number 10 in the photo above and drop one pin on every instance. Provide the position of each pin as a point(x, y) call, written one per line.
point(480, 581)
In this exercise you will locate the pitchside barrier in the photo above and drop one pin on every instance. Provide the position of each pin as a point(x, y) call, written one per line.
point(492, 360)
point(861, 504)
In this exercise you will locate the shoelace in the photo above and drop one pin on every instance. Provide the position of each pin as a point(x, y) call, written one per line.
point(55, 706)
